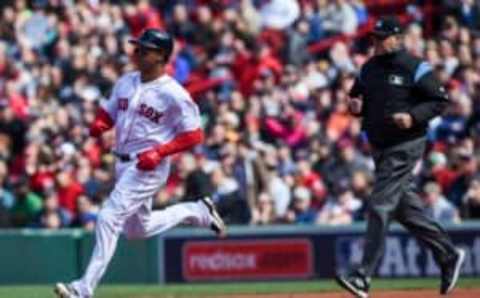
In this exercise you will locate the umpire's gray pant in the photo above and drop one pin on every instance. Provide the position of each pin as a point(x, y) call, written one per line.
point(394, 197)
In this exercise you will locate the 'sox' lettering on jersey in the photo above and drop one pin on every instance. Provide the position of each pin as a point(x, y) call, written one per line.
point(123, 104)
point(150, 113)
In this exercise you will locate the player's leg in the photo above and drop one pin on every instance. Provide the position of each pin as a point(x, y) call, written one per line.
point(146, 223)
point(128, 195)
point(411, 214)
point(110, 221)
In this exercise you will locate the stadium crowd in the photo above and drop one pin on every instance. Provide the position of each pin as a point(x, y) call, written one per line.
point(280, 146)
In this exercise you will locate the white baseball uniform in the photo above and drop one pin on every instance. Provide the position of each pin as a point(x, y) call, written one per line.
point(145, 115)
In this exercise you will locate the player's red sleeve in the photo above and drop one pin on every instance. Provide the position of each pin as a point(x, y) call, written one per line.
point(102, 123)
point(149, 159)
point(181, 142)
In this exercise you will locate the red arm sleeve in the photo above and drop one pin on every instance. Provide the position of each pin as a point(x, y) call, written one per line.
point(149, 159)
point(102, 123)
point(181, 142)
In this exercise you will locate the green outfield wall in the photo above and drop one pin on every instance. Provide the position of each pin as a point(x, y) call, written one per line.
point(190, 255)
point(30, 256)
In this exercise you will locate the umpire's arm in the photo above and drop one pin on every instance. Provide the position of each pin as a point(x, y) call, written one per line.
point(430, 95)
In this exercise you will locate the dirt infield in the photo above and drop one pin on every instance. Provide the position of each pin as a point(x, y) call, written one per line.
point(458, 293)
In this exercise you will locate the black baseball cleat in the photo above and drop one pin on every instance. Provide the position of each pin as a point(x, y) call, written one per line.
point(450, 272)
point(217, 225)
point(355, 284)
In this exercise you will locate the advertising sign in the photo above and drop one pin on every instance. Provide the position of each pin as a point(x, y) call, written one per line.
point(247, 259)
point(314, 253)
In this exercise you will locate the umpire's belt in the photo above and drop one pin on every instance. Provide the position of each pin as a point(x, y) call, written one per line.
point(123, 157)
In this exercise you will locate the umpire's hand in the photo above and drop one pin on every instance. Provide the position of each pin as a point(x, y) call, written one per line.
point(403, 120)
point(355, 106)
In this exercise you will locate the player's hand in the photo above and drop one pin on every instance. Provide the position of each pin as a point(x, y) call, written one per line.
point(355, 105)
point(148, 160)
point(101, 124)
point(403, 120)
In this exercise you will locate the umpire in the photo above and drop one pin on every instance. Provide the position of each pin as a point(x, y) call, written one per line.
point(396, 94)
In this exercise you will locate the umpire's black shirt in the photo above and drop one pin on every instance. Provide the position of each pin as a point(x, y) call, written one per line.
point(392, 83)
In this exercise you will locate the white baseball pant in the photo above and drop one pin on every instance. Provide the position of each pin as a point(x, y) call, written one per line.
point(128, 209)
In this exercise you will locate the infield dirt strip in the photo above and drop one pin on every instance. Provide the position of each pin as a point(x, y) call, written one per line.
point(458, 293)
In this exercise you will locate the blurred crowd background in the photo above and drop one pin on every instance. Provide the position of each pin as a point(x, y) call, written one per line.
point(271, 78)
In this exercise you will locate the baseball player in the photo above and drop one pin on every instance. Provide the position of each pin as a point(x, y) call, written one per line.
point(153, 117)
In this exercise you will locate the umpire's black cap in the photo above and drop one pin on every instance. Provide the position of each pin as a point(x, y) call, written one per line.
point(387, 26)
point(155, 39)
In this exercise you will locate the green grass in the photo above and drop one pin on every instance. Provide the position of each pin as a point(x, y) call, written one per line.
point(209, 290)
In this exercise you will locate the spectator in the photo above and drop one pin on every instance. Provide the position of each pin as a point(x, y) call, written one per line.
point(13, 128)
point(361, 185)
point(468, 12)
point(87, 213)
point(251, 15)
point(297, 44)
point(347, 163)
point(226, 195)
point(27, 204)
point(471, 200)
point(279, 14)
point(51, 221)
point(181, 26)
point(197, 182)
point(7, 200)
point(288, 127)
point(443, 174)
point(342, 18)
point(52, 215)
point(468, 168)
point(274, 184)
point(342, 208)
point(342, 60)
point(247, 173)
point(301, 211)
point(453, 127)
point(263, 213)
point(323, 158)
point(437, 205)
point(306, 177)
point(138, 17)
point(360, 11)
point(68, 192)
point(286, 165)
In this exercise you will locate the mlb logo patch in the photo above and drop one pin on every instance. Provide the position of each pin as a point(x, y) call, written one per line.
point(396, 80)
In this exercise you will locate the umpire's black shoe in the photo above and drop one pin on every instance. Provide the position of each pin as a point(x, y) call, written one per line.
point(450, 272)
point(355, 283)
